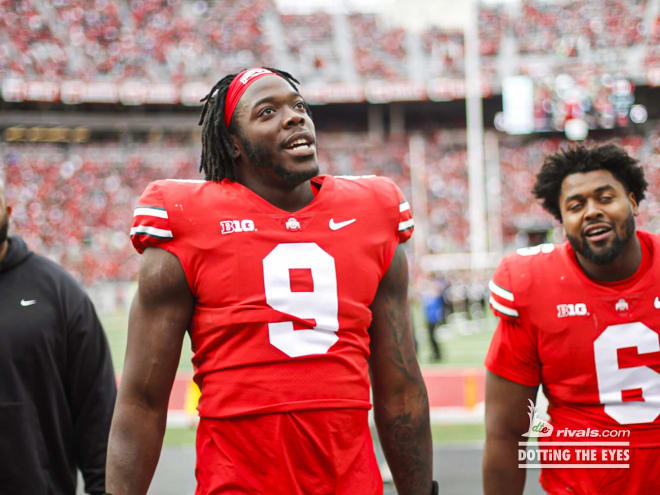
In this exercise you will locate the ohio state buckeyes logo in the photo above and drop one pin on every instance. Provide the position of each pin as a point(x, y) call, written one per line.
point(231, 226)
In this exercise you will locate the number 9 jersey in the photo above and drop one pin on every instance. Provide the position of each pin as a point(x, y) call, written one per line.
point(595, 348)
point(282, 299)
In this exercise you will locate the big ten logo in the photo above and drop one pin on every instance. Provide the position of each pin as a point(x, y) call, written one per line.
point(231, 226)
point(578, 309)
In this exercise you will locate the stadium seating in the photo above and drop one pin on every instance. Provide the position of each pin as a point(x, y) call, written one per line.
point(568, 28)
point(28, 45)
point(444, 52)
point(75, 202)
point(179, 41)
point(492, 28)
point(379, 52)
point(311, 46)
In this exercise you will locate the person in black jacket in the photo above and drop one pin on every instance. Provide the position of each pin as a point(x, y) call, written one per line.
point(57, 383)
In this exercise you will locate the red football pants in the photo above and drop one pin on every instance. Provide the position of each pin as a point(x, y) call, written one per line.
point(641, 478)
point(304, 452)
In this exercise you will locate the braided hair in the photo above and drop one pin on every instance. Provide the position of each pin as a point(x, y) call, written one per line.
point(217, 161)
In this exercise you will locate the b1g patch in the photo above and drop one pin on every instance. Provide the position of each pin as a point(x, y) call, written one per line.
point(577, 309)
point(232, 226)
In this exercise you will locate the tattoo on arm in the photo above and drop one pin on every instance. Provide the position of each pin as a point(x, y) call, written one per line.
point(400, 399)
point(402, 353)
point(405, 434)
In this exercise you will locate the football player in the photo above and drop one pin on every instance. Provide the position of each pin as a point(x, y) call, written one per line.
point(293, 287)
point(581, 319)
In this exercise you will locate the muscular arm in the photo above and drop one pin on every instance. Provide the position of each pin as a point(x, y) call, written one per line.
point(401, 408)
point(506, 420)
point(159, 317)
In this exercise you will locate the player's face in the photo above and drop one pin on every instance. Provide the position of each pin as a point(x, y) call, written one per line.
point(598, 215)
point(276, 137)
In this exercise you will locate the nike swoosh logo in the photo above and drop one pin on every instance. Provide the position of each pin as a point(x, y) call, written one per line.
point(28, 303)
point(656, 302)
point(340, 225)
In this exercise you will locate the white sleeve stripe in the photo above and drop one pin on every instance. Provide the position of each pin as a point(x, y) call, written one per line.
point(505, 310)
point(355, 177)
point(192, 181)
point(499, 291)
point(150, 211)
point(406, 225)
point(152, 231)
point(403, 206)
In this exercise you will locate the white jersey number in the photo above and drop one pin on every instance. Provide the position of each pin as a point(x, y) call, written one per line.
point(319, 304)
point(612, 380)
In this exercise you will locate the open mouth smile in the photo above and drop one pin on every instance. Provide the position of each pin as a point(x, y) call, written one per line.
point(300, 143)
point(597, 233)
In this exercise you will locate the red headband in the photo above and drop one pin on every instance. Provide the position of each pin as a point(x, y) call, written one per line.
point(238, 86)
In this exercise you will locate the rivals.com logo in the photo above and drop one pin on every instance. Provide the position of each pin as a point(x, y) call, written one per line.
point(537, 426)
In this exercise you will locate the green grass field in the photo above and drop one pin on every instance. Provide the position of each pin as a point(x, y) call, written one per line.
point(464, 344)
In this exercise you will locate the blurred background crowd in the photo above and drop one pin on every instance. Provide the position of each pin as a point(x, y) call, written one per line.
point(74, 171)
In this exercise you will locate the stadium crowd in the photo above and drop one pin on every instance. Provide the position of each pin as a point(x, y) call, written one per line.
point(547, 27)
point(317, 57)
point(74, 202)
point(112, 40)
point(83, 193)
point(175, 41)
point(379, 53)
point(444, 52)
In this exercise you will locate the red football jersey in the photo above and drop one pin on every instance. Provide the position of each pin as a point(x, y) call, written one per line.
point(282, 299)
point(594, 347)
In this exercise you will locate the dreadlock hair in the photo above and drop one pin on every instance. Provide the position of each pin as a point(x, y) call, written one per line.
point(581, 159)
point(217, 161)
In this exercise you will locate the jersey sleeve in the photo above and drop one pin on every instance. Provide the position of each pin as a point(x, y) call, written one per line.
point(513, 351)
point(406, 223)
point(513, 354)
point(502, 299)
point(151, 224)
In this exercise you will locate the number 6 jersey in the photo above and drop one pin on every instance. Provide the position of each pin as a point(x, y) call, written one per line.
point(282, 299)
point(595, 347)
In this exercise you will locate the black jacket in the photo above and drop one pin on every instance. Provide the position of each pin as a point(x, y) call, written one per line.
point(57, 383)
